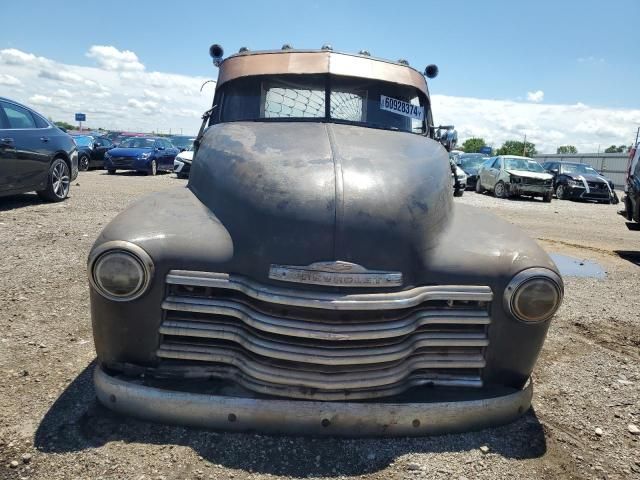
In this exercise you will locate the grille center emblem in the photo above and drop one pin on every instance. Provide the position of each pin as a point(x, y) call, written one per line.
point(335, 274)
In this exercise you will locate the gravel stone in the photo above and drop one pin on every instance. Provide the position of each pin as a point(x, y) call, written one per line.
point(633, 429)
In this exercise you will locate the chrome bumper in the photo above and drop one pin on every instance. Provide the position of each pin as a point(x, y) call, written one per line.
point(300, 417)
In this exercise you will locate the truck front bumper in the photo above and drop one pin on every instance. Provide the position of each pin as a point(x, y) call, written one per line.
point(444, 414)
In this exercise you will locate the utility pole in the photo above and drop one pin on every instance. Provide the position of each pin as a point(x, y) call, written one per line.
point(524, 146)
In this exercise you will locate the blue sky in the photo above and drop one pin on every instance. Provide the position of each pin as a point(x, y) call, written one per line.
point(574, 51)
point(561, 72)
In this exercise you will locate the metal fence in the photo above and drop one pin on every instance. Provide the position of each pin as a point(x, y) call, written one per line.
point(611, 165)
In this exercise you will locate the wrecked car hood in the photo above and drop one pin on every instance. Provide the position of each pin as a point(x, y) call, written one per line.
point(528, 174)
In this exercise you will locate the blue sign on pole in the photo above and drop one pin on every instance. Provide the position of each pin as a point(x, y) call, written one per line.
point(81, 117)
point(486, 150)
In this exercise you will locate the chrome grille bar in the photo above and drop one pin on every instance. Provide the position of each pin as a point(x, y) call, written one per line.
point(404, 324)
point(331, 301)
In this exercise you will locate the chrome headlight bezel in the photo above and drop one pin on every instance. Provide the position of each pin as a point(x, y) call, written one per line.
point(138, 254)
point(525, 277)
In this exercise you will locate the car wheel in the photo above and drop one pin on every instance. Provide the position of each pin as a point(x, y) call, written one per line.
point(479, 188)
point(153, 168)
point(458, 193)
point(614, 199)
point(83, 163)
point(547, 197)
point(560, 192)
point(58, 182)
point(111, 171)
point(500, 191)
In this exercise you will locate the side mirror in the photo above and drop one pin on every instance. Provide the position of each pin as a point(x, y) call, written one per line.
point(447, 136)
point(159, 148)
point(182, 149)
point(97, 144)
point(554, 171)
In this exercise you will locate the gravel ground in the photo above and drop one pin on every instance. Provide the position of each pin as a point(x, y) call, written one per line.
point(587, 381)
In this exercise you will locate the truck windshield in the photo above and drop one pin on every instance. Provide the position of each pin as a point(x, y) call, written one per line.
point(338, 99)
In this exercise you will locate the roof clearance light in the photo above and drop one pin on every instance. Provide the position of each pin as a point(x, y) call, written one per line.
point(286, 46)
point(216, 52)
point(327, 46)
point(431, 71)
point(402, 61)
point(365, 53)
point(243, 49)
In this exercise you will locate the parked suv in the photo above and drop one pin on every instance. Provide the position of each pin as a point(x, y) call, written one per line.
point(35, 155)
point(315, 276)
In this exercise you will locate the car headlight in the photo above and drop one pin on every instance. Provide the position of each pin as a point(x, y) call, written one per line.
point(120, 271)
point(574, 183)
point(144, 156)
point(514, 179)
point(534, 295)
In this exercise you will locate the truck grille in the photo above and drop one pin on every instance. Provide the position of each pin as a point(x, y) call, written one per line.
point(327, 346)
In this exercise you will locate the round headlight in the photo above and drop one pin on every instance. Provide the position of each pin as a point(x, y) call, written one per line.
point(534, 295)
point(120, 271)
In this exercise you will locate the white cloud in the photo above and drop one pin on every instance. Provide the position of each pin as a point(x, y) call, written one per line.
point(63, 93)
point(536, 96)
point(115, 94)
point(148, 101)
point(110, 58)
point(40, 99)
point(11, 56)
point(548, 126)
point(9, 80)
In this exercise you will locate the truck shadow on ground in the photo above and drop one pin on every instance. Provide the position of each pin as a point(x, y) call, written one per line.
point(77, 422)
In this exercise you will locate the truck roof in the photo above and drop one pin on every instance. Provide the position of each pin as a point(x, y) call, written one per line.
point(290, 61)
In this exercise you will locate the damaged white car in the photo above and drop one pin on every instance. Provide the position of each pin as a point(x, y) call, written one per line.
point(512, 176)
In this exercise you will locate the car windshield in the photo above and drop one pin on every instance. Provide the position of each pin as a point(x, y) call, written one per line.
point(304, 97)
point(577, 168)
point(83, 141)
point(471, 161)
point(137, 142)
point(522, 164)
point(182, 142)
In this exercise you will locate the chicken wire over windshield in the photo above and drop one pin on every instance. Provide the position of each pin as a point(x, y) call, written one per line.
point(305, 97)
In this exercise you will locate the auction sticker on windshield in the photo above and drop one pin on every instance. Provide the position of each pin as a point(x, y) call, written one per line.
point(401, 107)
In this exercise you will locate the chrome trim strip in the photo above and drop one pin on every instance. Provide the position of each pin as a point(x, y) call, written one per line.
point(297, 380)
point(330, 301)
point(335, 274)
point(309, 417)
point(319, 354)
point(323, 330)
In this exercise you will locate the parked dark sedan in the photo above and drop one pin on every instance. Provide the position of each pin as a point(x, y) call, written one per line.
point(143, 154)
point(35, 155)
point(578, 181)
point(91, 151)
point(470, 164)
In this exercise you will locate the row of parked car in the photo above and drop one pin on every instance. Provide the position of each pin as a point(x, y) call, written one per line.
point(134, 152)
point(513, 176)
point(35, 155)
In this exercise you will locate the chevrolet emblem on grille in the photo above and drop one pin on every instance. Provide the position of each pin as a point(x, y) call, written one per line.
point(337, 274)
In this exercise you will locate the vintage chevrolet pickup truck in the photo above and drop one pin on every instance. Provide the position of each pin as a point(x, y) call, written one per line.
point(315, 275)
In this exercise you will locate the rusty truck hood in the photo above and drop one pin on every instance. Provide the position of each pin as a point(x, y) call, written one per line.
point(295, 193)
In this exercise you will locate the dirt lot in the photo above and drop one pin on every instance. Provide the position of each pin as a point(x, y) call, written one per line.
point(587, 382)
